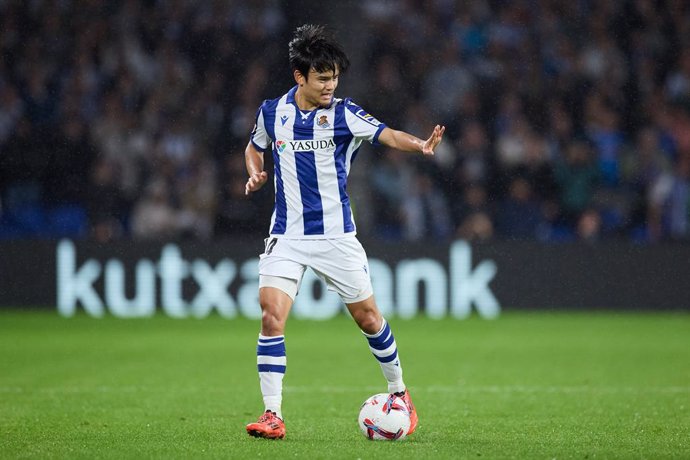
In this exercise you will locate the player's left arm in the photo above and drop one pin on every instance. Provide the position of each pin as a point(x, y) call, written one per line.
point(406, 142)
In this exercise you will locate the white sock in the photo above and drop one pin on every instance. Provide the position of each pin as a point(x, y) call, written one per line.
point(385, 350)
point(271, 362)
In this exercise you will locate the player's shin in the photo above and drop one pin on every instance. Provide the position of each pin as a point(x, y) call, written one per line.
point(383, 347)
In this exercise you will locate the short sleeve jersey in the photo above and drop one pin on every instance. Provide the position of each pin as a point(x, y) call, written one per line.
point(312, 155)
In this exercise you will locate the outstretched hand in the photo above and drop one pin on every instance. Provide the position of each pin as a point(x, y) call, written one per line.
point(255, 182)
point(435, 138)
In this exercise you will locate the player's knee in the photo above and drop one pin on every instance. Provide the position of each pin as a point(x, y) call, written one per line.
point(271, 323)
point(368, 320)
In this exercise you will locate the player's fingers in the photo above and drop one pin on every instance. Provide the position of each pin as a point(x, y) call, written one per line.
point(251, 185)
point(438, 134)
point(255, 181)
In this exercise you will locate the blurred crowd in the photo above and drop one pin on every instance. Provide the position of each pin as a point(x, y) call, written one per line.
point(565, 120)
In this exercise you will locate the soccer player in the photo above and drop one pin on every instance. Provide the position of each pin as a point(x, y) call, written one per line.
point(315, 137)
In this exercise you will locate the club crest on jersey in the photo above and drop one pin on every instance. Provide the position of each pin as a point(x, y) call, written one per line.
point(280, 145)
point(323, 122)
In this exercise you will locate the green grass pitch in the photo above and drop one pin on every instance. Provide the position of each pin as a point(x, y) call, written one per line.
point(527, 385)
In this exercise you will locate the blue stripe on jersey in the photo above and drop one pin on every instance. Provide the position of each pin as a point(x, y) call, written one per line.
point(305, 163)
point(269, 113)
point(375, 140)
point(342, 138)
point(280, 209)
point(271, 350)
point(271, 368)
point(309, 189)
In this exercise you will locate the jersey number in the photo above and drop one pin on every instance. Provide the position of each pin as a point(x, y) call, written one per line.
point(270, 245)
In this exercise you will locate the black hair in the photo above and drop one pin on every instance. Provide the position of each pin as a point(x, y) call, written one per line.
point(313, 47)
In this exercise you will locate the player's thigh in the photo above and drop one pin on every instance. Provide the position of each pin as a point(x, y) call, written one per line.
point(342, 263)
point(280, 274)
point(281, 259)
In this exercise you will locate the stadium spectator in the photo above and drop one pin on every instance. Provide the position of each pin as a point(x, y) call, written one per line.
point(577, 176)
point(425, 212)
point(519, 216)
point(394, 175)
point(154, 216)
point(472, 214)
point(106, 205)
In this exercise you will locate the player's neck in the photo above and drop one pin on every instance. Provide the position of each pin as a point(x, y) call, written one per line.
point(303, 103)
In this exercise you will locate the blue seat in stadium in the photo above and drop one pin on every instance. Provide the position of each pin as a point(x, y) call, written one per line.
point(68, 220)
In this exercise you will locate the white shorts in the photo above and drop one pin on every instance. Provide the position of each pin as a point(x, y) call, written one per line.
point(340, 262)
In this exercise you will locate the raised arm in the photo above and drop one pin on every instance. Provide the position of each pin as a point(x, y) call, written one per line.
point(254, 160)
point(401, 140)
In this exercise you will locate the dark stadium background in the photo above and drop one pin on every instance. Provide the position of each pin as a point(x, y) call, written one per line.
point(566, 159)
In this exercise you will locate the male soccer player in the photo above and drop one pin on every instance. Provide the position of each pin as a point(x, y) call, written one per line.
point(315, 137)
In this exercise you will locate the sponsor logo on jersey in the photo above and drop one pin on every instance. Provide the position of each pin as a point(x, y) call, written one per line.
point(323, 122)
point(283, 119)
point(306, 145)
point(367, 117)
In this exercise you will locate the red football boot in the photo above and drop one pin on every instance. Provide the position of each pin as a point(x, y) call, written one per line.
point(405, 395)
point(268, 426)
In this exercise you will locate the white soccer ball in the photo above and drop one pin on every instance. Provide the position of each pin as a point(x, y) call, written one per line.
point(384, 417)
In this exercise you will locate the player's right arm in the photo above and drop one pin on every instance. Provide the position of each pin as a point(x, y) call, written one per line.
point(259, 140)
point(254, 160)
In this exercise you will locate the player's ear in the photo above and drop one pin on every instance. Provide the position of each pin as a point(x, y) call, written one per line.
point(299, 78)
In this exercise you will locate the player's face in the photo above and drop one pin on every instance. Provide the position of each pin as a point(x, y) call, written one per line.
point(318, 89)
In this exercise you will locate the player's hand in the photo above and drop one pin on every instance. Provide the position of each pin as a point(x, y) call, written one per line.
point(435, 138)
point(255, 182)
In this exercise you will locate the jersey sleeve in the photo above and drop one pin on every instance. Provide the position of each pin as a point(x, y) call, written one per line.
point(259, 136)
point(362, 125)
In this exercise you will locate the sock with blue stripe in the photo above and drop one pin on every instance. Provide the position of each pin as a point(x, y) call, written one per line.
point(385, 350)
point(271, 362)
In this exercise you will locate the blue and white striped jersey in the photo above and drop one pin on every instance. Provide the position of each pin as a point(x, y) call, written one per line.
point(312, 154)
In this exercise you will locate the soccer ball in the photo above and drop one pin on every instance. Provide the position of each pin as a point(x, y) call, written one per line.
point(384, 417)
